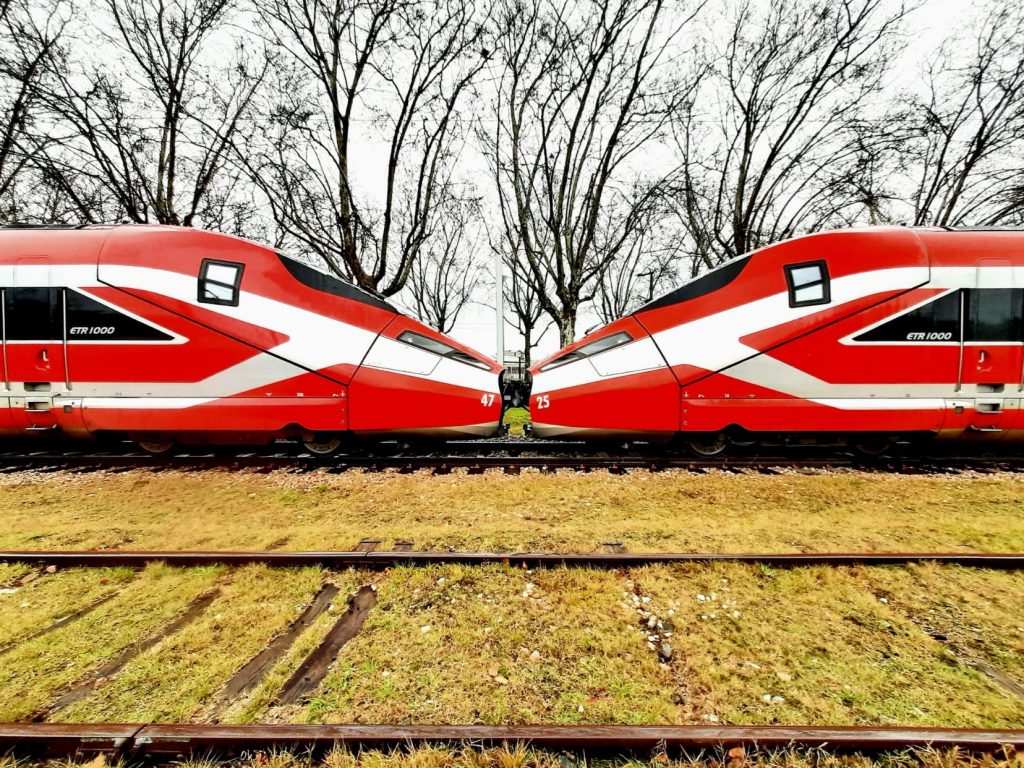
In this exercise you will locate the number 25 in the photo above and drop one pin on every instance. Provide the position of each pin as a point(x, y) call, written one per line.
point(543, 402)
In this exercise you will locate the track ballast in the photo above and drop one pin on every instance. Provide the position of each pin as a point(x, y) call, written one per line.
point(510, 456)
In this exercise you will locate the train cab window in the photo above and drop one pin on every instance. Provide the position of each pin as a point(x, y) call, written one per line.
point(808, 283)
point(601, 345)
point(994, 314)
point(219, 282)
point(414, 339)
point(321, 281)
point(33, 314)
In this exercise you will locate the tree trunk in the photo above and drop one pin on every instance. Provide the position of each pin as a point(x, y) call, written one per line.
point(567, 326)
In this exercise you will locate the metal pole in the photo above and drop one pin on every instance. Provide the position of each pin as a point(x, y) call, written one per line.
point(499, 307)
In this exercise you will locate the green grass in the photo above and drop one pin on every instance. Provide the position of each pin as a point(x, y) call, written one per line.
point(820, 645)
point(39, 603)
point(34, 673)
point(479, 644)
point(498, 644)
point(189, 667)
point(517, 418)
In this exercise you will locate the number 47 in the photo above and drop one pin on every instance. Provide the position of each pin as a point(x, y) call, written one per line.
point(487, 400)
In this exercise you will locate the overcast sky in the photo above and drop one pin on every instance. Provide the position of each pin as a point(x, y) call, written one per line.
point(927, 27)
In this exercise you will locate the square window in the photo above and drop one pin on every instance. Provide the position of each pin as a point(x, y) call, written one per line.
point(219, 282)
point(808, 283)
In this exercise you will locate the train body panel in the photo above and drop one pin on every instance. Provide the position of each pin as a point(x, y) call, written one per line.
point(630, 363)
point(193, 335)
point(877, 331)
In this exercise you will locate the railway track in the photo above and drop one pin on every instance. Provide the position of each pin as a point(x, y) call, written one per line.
point(511, 457)
point(374, 559)
point(160, 744)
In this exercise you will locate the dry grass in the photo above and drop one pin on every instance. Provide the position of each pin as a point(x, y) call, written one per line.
point(495, 645)
point(517, 756)
point(36, 605)
point(11, 573)
point(169, 682)
point(254, 704)
point(33, 673)
point(834, 646)
point(569, 512)
point(979, 613)
point(828, 646)
point(820, 647)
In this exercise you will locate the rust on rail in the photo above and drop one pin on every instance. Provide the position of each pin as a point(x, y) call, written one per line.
point(167, 743)
point(368, 558)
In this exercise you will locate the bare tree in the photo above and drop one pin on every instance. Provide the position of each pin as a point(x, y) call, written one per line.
point(637, 276)
point(446, 276)
point(152, 129)
point(646, 264)
point(391, 70)
point(964, 138)
point(30, 42)
point(769, 142)
point(584, 87)
point(520, 294)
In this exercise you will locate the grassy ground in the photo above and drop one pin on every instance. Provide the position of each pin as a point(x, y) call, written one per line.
point(43, 601)
point(35, 672)
point(524, 757)
point(534, 511)
point(187, 669)
point(760, 645)
point(979, 614)
point(727, 643)
point(495, 645)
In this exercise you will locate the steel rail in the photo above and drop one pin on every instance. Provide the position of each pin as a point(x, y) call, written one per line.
point(453, 461)
point(493, 453)
point(388, 559)
point(167, 743)
point(515, 461)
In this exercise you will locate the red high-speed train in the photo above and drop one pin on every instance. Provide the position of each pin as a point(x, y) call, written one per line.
point(853, 337)
point(169, 334)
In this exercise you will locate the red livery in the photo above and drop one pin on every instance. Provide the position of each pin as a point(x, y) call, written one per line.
point(855, 336)
point(168, 334)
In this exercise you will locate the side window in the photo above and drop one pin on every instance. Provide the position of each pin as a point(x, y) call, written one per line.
point(994, 314)
point(808, 283)
point(938, 320)
point(89, 320)
point(33, 314)
point(219, 282)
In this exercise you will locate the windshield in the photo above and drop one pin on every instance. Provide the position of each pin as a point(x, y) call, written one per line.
point(601, 345)
point(440, 348)
point(321, 281)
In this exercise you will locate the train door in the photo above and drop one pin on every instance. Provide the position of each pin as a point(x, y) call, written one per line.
point(34, 344)
point(993, 352)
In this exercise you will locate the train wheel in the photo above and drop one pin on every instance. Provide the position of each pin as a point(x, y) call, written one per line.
point(323, 444)
point(708, 445)
point(872, 447)
point(156, 445)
